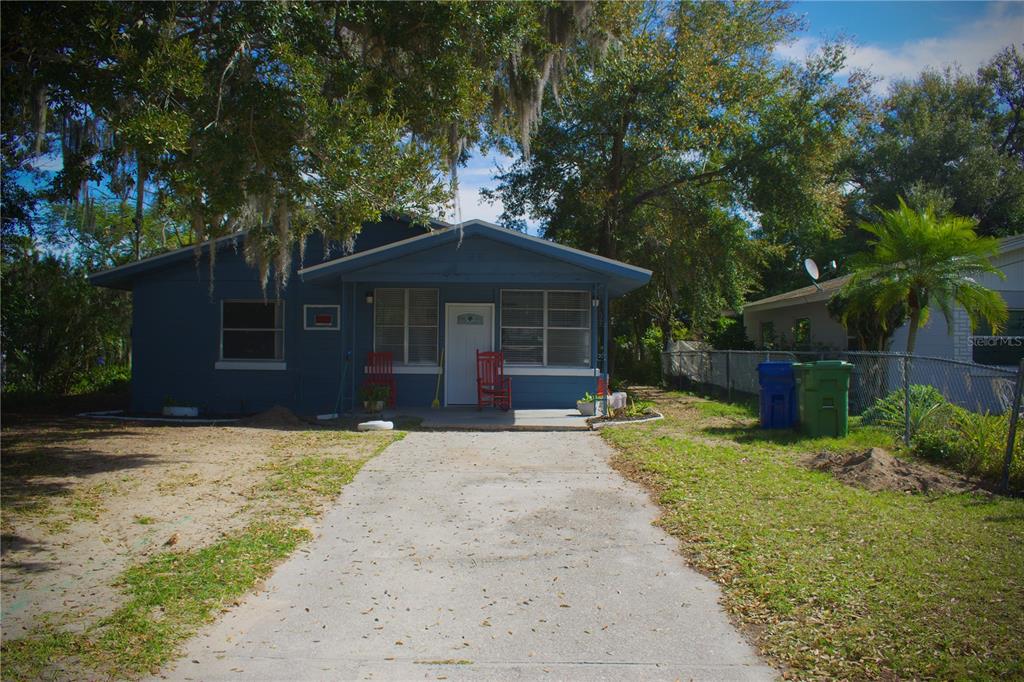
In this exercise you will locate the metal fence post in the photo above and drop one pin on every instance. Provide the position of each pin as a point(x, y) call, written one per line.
point(728, 375)
point(1011, 436)
point(906, 399)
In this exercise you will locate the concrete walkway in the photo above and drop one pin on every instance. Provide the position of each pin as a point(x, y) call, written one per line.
point(498, 556)
point(491, 419)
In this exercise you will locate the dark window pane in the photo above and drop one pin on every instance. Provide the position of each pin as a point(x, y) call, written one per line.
point(252, 345)
point(1005, 349)
point(802, 332)
point(250, 315)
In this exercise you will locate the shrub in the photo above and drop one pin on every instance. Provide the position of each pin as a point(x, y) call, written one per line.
point(968, 442)
point(102, 379)
point(929, 409)
point(973, 444)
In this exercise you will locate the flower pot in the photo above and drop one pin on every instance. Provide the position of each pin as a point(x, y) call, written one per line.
point(180, 411)
point(373, 405)
point(587, 409)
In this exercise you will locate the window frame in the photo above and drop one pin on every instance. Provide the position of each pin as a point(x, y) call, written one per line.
point(280, 328)
point(769, 339)
point(313, 328)
point(405, 325)
point(545, 327)
point(974, 346)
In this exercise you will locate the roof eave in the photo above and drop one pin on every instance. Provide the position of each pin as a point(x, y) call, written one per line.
point(610, 268)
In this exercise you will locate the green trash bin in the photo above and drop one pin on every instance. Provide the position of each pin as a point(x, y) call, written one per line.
point(823, 397)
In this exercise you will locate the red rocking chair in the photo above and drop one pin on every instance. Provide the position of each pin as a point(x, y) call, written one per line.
point(492, 386)
point(379, 373)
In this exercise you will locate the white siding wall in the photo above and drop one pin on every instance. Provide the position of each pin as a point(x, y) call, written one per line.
point(825, 332)
point(933, 339)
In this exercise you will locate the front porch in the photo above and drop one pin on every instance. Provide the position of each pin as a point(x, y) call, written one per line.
point(490, 419)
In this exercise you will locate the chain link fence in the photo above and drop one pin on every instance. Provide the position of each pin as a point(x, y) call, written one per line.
point(983, 389)
point(733, 373)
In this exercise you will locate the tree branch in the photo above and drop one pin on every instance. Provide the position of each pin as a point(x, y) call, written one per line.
point(675, 182)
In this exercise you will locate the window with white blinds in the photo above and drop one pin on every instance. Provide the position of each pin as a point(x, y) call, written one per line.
point(545, 328)
point(405, 325)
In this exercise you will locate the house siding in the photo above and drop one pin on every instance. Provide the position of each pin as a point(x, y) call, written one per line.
point(177, 327)
point(826, 333)
point(934, 339)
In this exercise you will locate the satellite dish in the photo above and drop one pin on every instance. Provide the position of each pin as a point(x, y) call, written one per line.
point(812, 268)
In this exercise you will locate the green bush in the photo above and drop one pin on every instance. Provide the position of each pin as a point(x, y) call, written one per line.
point(103, 379)
point(929, 409)
point(971, 443)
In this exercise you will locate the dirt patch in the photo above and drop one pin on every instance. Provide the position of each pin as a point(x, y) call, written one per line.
point(876, 469)
point(276, 417)
point(83, 500)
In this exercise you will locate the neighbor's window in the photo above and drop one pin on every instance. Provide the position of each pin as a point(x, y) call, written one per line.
point(767, 334)
point(545, 328)
point(802, 332)
point(1004, 349)
point(252, 330)
point(405, 325)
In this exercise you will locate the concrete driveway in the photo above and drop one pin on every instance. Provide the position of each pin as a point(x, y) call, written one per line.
point(498, 556)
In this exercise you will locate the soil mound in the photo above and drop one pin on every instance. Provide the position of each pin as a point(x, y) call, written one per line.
point(876, 469)
point(276, 417)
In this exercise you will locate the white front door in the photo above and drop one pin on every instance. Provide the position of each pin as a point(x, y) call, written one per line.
point(469, 327)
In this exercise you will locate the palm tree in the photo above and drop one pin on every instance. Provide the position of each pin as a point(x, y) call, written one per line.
point(920, 260)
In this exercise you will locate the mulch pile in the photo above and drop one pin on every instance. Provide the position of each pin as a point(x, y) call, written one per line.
point(276, 417)
point(876, 469)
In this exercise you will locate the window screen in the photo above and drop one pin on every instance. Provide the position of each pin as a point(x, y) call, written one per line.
point(568, 315)
point(522, 327)
point(252, 330)
point(546, 328)
point(405, 325)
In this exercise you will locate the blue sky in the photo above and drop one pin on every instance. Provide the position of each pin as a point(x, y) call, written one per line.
point(893, 40)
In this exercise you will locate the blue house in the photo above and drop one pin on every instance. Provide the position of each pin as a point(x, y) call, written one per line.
point(432, 296)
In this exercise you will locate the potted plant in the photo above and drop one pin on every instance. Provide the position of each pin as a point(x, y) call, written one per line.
point(173, 409)
point(374, 396)
point(587, 405)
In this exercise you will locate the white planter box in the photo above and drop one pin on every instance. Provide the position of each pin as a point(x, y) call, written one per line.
point(179, 411)
point(586, 409)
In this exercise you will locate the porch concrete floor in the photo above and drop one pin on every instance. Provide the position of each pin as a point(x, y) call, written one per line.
point(466, 418)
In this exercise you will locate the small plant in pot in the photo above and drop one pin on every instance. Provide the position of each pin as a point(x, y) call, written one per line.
point(587, 405)
point(374, 396)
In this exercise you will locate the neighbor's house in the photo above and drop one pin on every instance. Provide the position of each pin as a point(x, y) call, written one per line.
point(431, 296)
point(799, 319)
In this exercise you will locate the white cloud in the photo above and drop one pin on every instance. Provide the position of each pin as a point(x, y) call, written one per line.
point(473, 206)
point(969, 46)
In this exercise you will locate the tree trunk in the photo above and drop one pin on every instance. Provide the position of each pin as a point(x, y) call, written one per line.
point(140, 195)
point(612, 207)
point(915, 318)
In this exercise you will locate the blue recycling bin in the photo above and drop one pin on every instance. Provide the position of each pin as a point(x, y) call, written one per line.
point(778, 395)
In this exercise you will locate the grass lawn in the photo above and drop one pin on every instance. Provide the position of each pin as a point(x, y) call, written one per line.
point(162, 595)
point(834, 581)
